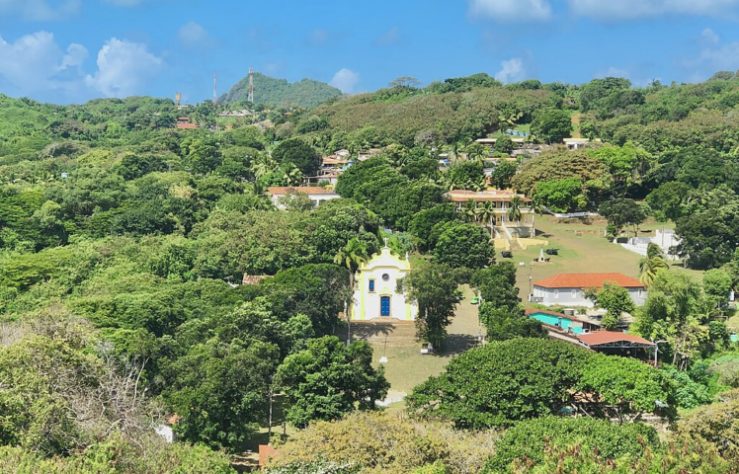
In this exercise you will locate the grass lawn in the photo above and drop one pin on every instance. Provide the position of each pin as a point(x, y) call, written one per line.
point(406, 366)
point(582, 248)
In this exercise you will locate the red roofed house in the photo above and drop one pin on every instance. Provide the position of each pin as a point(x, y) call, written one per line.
point(568, 289)
point(184, 123)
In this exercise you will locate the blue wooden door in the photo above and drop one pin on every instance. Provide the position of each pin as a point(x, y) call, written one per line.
point(385, 306)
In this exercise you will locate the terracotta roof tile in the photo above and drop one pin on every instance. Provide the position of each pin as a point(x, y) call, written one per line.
point(598, 338)
point(588, 280)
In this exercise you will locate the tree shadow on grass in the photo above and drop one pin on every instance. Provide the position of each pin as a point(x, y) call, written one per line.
point(458, 343)
point(367, 331)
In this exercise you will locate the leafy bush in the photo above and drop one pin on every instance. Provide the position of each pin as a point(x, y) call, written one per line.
point(727, 369)
point(529, 444)
point(716, 424)
point(501, 382)
point(385, 442)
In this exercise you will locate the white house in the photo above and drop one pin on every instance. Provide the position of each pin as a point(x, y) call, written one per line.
point(575, 143)
point(316, 194)
point(665, 239)
point(377, 295)
point(568, 289)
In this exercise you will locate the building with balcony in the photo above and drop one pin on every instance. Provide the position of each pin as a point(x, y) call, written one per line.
point(501, 201)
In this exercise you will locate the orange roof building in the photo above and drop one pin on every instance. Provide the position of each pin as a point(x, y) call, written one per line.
point(569, 289)
point(589, 280)
point(184, 123)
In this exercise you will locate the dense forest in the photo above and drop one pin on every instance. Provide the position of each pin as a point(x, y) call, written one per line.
point(124, 242)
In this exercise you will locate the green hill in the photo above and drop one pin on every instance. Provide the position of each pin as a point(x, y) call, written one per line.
point(271, 92)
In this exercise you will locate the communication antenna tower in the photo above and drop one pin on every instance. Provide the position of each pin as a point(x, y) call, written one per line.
point(215, 88)
point(250, 92)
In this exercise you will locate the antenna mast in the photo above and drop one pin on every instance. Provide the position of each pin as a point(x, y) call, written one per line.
point(250, 92)
point(215, 88)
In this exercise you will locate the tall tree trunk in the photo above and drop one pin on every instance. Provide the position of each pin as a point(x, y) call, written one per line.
point(348, 308)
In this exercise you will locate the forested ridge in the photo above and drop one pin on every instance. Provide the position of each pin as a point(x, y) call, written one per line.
point(124, 242)
point(271, 93)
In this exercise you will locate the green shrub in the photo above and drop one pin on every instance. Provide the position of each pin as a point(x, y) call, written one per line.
point(530, 444)
point(502, 382)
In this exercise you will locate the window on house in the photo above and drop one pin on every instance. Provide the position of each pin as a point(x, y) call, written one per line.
point(385, 277)
point(556, 293)
point(372, 286)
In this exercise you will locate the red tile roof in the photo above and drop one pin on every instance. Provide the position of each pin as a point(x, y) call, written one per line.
point(495, 195)
point(598, 338)
point(186, 126)
point(282, 190)
point(588, 280)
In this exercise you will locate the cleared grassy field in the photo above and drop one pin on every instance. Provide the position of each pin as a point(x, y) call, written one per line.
point(406, 366)
point(582, 248)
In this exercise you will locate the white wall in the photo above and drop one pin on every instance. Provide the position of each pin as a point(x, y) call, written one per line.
point(382, 288)
point(576, 296)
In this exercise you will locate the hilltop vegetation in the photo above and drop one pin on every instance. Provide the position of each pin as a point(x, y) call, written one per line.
point(137, 235)
point(279, 93)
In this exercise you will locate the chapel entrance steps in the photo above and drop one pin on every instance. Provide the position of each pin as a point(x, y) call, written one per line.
point(381, 330)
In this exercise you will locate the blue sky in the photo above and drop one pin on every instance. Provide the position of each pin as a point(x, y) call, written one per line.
point(74, 50)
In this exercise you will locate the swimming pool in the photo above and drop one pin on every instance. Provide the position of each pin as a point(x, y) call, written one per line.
point(560, 321)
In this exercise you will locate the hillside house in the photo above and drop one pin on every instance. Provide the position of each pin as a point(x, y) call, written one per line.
point(569, 289)
point(576, 143)
point(316, 194)
point(184, 123)
point(502, 199)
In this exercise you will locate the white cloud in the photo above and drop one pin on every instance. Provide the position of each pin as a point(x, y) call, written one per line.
point(192, 34)
point(345, 80)
point(40, 10)
point(511, 10)
point(390, 37)
point(614, 72)
point(123, 67)
point(709, 36)
point(721, 57)
point(318, 37)
point(34, 62)
point(711, 56)
point(630, 9)
point(124, 3)
point(76, 55)
point(511, 70)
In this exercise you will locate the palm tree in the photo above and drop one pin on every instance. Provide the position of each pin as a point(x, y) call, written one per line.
point(514, 212)
point(651, 264)
point(487, 214)
point(351, 256)
point(470, 211)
